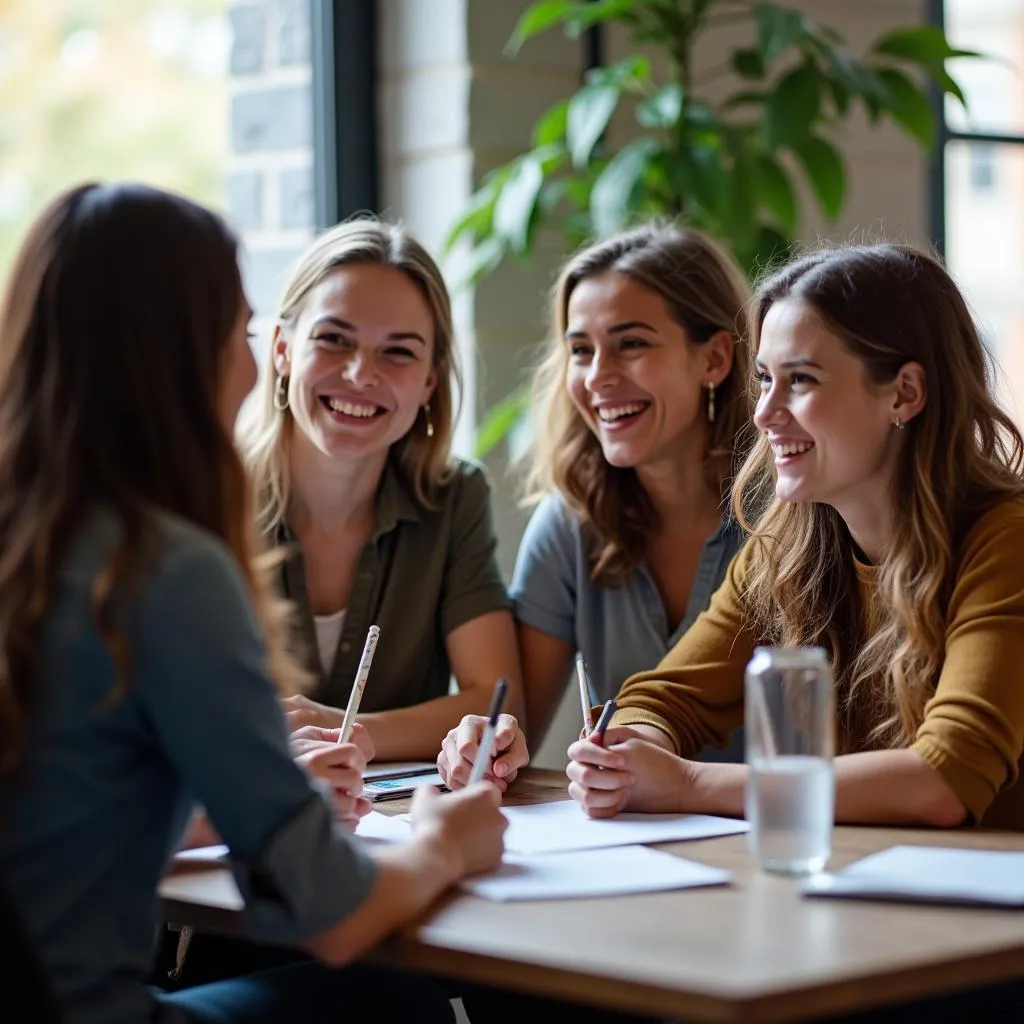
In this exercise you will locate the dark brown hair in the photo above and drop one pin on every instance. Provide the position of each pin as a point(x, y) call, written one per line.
point(113, 330)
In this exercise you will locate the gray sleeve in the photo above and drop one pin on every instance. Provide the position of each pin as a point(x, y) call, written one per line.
point(544, 582)
point(201, 676)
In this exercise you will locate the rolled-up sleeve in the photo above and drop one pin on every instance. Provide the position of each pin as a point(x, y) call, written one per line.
point(472, 581)
point(973, 728)
point(201, 674)
point(544, 582)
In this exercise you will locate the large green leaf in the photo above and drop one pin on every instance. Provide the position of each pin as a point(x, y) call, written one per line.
point(611, 200)
point(908, 105)
point(588, 115)
point(823, 165)
point(551, 126)
point(778, 28)
point(482, 260)
point(699, 178)
point(770, 248)
point(794, 107)
point(537, 18)
point(515, 206)
point(922, 44)
point(661, 110)
point(775, 192)
point(500, 420)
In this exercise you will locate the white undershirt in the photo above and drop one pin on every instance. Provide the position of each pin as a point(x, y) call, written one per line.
point(328, 633)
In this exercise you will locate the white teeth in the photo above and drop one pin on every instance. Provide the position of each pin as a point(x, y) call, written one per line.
point(351, 410)
point(793, 449)
point(610, 414)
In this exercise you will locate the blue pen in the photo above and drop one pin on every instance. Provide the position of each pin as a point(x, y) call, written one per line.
point(483, 756)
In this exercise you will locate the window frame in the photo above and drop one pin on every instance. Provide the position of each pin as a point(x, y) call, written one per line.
point(944, 134)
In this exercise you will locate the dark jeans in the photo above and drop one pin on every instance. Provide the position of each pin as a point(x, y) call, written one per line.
point(313, 994)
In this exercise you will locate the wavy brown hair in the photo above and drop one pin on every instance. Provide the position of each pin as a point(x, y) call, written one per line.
point(113, 333)
point(961, 455)
point(264, 431)
point(705, 292)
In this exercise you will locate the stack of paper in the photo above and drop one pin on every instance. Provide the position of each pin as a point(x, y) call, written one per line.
point(610, 872)
point(928, 874)
point(561, 826)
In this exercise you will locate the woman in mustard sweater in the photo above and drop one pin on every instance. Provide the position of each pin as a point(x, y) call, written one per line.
point(884, 501)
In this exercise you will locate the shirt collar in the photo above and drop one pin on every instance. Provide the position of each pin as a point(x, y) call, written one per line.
point(395, 504)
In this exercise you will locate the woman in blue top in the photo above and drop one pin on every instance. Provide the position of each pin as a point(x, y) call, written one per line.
point(640, 406)
point(138, 642)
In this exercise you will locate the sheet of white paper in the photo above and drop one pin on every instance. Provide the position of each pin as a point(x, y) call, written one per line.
point(561, 826)
point(398, 769)
point(383, 828)
point(929, 874)
point(202, 855)
point(611, 872)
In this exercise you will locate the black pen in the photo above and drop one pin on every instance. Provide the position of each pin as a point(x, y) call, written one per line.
point(483, 756)
point(597, 735)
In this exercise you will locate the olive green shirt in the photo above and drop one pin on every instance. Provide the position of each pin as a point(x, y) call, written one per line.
point(424, 573)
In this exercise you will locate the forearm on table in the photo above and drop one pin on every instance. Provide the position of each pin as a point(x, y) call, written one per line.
point(416, 733)
point(894, 787)
point(879, 787)
point(409, 878)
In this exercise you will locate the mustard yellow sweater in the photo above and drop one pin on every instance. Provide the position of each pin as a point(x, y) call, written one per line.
point(973, 729)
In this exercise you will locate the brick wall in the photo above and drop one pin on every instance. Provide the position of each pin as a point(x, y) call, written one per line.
point(270, 177)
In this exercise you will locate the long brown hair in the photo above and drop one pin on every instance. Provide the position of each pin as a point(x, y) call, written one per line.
point(423, 456)
point(113, 329)
point(705, 292)
point(890, 305)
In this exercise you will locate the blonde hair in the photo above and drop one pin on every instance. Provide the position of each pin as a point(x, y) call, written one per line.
point(961, 455)
point(705, 292)
point(264, 431)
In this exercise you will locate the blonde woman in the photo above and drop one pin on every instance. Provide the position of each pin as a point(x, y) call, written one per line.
point(641, 403)
point(348, 441)
point(886, 507)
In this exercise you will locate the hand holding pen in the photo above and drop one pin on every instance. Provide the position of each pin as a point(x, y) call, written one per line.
point(485, 753)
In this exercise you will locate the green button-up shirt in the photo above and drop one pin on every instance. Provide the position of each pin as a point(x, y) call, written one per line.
point(423, 573)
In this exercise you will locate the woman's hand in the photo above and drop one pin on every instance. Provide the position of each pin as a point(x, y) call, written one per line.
point(300, 711)
point(461, 747)
point(340, 765)
point(467, 826)
point(308, 736)
point(626, 772)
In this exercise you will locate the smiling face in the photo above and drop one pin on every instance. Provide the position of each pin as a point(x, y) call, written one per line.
point(359, 360)
point(832, 430)
point(634, 376)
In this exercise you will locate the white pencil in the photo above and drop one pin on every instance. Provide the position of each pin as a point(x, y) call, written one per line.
point(581, 672)
point(359, 685)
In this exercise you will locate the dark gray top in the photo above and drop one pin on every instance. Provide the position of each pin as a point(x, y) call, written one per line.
point(619, 630)
point(110, 782)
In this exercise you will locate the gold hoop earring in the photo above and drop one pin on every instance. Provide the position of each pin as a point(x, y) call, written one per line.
point(281, 393)
point(430, 422)
point(711, 402)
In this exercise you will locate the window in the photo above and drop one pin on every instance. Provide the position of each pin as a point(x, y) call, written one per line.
point(978, 178)
point(109, 89)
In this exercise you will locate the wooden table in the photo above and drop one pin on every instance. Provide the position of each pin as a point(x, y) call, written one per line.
point(753, 951)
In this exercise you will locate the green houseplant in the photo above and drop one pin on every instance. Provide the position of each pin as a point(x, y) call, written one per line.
point(726, 165)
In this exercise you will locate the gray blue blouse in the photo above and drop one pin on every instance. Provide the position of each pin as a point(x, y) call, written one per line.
point(109, 782)
point(619, 630)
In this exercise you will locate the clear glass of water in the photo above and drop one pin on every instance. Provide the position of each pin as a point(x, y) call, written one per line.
point(790, 740)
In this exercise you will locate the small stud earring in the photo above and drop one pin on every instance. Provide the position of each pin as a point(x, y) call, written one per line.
point(430, 422)
point(711, 402)
point(281, 393)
